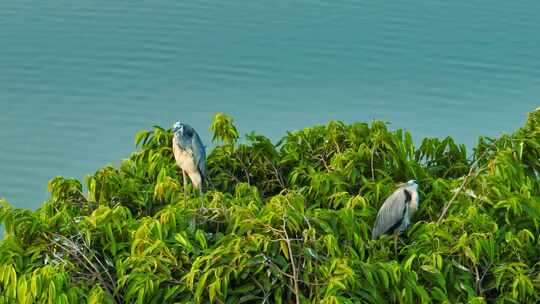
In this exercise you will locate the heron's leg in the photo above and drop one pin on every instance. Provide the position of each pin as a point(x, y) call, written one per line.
point(185, 190)
point(202, 198)
point(395, 243)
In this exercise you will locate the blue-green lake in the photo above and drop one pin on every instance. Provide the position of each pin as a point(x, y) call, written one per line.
point(79, 78)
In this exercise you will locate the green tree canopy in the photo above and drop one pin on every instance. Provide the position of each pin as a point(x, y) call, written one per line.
point(287, 223)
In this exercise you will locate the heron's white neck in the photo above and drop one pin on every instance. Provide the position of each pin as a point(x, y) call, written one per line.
point(414, 199)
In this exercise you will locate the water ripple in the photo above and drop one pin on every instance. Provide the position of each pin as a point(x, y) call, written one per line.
point(78, 79)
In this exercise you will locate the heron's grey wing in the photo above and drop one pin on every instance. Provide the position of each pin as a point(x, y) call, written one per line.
point(390, 214)
point(199, 154)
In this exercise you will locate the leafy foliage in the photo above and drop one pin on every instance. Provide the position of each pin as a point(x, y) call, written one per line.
point(287, 222)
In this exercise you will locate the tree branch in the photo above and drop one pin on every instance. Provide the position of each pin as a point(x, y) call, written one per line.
point(472, 170)
point(295, 274)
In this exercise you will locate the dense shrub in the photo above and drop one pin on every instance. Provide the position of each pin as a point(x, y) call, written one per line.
point(287, 222)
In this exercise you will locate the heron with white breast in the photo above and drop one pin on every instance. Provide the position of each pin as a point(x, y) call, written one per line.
point(190, 155)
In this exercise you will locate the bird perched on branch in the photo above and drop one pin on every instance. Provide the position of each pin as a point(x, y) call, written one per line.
point(190, 155)
point(395, 215)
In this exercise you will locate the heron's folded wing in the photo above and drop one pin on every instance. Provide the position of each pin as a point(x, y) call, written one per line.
point(199, 154)
point(390, 214)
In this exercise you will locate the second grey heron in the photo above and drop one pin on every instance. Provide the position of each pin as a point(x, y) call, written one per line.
point(395, 215)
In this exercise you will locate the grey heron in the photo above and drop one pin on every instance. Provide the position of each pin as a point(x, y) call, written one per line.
point(395, 215)
point(190, 155)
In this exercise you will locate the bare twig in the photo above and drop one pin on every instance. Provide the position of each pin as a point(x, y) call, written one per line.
point(99, 262)
point(337, 146)
point(485, 271)
point(478, 290)
point(303, 215)
point(279, 178)
point(295, 274)
point(270, 228)
point(232, 176)
point(479, 279)
point(94, 271)
point(278, 240)
point(265, 293)
point(78, 257)
point(244, 168)
point(472, 170)
point(323, 161)
point(270, 263)
point(372, 170)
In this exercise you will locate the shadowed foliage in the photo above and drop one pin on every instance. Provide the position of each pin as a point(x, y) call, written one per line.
point(287, 223)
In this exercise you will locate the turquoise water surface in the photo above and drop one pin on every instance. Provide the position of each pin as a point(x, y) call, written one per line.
point(79, 78)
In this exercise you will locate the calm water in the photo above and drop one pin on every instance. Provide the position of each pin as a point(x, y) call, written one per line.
point(79, 78)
